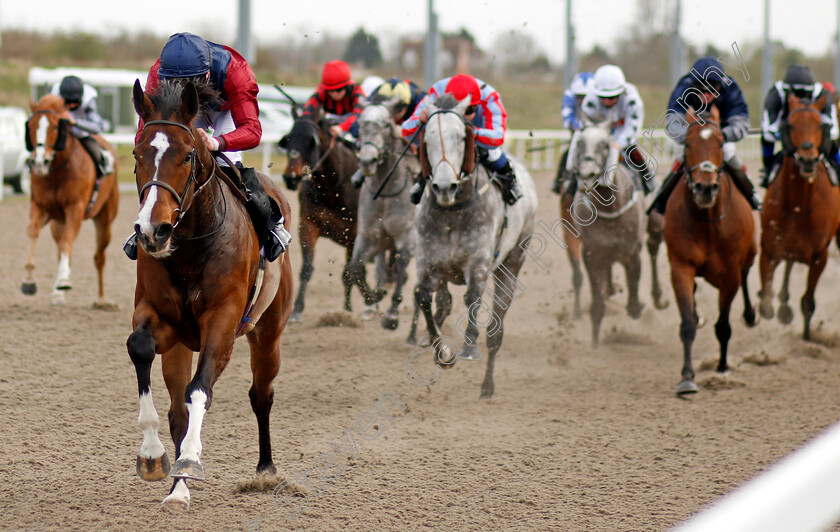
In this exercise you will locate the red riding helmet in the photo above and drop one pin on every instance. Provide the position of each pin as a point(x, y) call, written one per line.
point(335, 76)
point(462, 85)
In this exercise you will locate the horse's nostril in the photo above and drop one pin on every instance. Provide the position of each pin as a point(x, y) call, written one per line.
point(807, 145)
point(163, 232)
point(435, 187)
point(452, 188)
point(715, 187)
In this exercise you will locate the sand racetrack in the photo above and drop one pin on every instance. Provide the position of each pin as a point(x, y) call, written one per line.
point(574, 439)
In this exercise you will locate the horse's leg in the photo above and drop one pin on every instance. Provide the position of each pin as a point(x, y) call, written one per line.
point(596, 272)
point(411, 339)
point(102, 222)
point(682, 279)
point(37, 220)
point(423, 299)
point(476, 278)
point(355, 273)
point(656, 233)
point(749, 310)
point(723, 330)
point(766, 268)
point(633, 271)
point(504, 292)
point(443, 302)
point(401, 260)
point(785, 314)
point(265, 364)
point(808, 303)
point(217, 343)
point(65, 235)
point(573, 250)
point(177, 366)
point(308, 233)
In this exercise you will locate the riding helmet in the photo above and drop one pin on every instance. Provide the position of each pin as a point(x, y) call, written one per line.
point(395, 87)
point(462, 85)
point(184, 55)
point(580, 85)
point(800, 80)
point(71, 89)
point(608, 81)
point(335, 76)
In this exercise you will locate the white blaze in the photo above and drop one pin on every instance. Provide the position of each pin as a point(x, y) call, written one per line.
point(161, 142)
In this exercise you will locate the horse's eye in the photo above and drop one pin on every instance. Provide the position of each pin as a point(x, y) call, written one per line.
point(188, 158)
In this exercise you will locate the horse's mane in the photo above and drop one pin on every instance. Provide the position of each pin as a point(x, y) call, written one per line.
point(167, 98)
point(377, 99)
point(446, 101)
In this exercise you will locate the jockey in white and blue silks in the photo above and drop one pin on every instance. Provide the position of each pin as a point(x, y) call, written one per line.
point(572, 119)
point(80, 100)
point(613, 100)
point(487, 114)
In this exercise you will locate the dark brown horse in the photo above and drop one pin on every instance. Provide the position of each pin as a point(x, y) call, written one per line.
point(201, 283)
point(322, 166)
point(801, 211)
point(64, 192)
point(710, 233)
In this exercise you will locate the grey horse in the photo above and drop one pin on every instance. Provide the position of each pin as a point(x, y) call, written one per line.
point(386, 214)
point(609, 211)
point(467, 235)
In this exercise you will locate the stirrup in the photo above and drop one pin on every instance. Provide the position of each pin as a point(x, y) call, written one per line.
point(130, 246)
point(511, 193)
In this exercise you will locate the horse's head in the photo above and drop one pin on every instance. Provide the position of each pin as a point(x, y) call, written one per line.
point(376, 131)
point(303, 150)
point(804, 134)
point(703, 156)
point(170, 159)
point(45, 132)
point(593, 154)
point(448, 148)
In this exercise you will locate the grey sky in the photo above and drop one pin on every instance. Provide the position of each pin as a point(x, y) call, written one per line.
point(806, 24)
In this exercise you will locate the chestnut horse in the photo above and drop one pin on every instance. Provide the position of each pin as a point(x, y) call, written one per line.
point(322, 166)
point(201, 283)
point(801, 211)
point(710, 233)
point(64, 192)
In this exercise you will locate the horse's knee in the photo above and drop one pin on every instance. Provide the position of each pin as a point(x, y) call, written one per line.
point(141, 347)
point(723, 330)
point(423, 297)
point(808, 305)
point(261, 401)
point(306, 271)
point(688, 330)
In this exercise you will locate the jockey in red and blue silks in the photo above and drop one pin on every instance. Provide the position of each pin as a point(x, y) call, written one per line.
point(235, 122)
point(338, 94)
point(489, 117)
point(572, 119)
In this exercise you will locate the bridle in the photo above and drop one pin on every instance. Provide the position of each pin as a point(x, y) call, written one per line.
point(442, 147)
point(702, 166)
point(182, 196)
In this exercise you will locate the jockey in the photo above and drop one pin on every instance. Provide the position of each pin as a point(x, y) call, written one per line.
point(489, 117)
point(80, 101)
point(612, 99)
point(572, 101)
point(235, 124)
point(798, 81)
point(370, 84)
point(409, 96)
point(338, 95)
point(721, 90)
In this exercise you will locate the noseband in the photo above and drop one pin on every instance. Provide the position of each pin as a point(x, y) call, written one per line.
point(442, 147)
point(178, 197)
point(703, 166)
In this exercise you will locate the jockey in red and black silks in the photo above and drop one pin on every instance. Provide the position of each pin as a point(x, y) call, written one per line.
point(337, 94)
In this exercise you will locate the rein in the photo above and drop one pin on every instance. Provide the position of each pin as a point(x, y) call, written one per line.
point(192, 179)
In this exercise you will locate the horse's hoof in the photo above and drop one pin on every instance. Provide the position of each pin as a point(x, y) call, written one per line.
point(104, 304)
point(190, 469)
point(486, 391)
point(635, 311)
point(153, 469)
point(411, 340)
point(445, 356)
point(470, 352)
point(577, 314)
point(375, 296)
point(661, 304)
point(686, 387)
point(390, 322)
point(368, 314)
point(785, 314)
point(63, 284)
point(28, 288)
point(295, 317)
point(175, 505)
point(267, 469)
point(766, 311)
point(57, 298)
point(750, 317)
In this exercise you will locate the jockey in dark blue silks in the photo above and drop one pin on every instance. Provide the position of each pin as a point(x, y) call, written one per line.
point(704, 85)
point(571, 110)
point(798, 81)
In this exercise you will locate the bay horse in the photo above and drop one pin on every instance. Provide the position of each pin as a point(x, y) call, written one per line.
point(386, 214)
point(201, 283)
point(710, 233)
point(64, 192)
point(467, 235)
point(321, 165)
point(606, 188)
point(801, 212)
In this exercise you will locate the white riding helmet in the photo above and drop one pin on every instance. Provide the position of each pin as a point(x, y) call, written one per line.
point(608, 81)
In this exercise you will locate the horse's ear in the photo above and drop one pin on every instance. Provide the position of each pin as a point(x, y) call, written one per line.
point(714, 114)
point(793, 102)
point(461, 108)
point(189, 102)
point(142, 104)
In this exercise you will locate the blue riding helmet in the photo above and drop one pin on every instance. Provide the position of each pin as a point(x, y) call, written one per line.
point(184, 55)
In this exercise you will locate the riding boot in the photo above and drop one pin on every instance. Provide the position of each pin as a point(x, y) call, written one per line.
point(833, 158)
point(102, 158)
point(557, 184)
point(357, 179)
point(647, 178)
point(668, 186)
point(743, 183)
point(510, 188)
point(767, 163)
point(265, 214)
point(416, 192)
